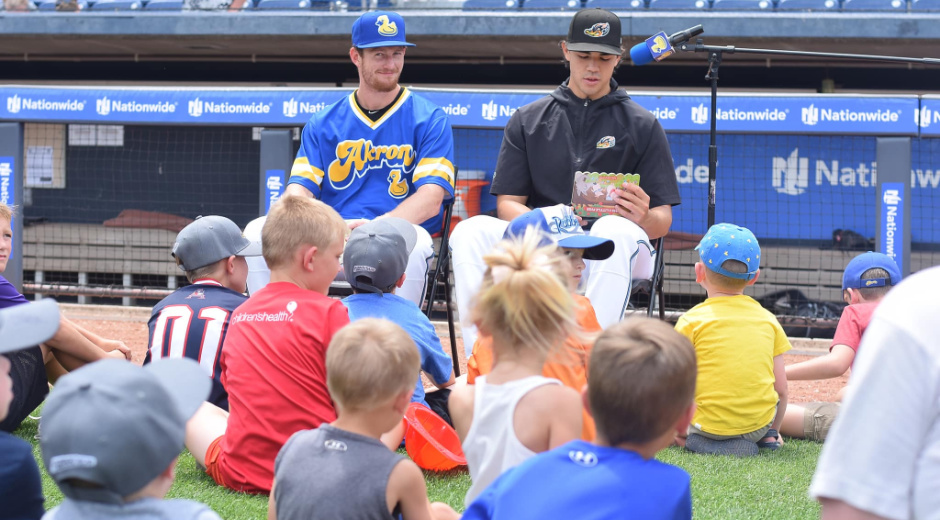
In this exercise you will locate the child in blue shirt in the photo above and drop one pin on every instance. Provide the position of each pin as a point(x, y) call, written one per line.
point(642, 384)
point(374, 261)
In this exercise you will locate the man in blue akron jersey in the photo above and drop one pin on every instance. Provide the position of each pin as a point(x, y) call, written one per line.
point(192, 321)
point(383, 150)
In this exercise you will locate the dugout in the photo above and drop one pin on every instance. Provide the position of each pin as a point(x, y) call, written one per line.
point(793, 168)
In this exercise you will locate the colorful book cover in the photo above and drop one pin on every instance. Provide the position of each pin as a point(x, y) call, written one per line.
point(593, 192)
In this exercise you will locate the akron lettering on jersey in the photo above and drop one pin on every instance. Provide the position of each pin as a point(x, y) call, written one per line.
point(362, 155)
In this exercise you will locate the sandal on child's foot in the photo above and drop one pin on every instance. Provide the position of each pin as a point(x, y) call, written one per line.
point(771, 441)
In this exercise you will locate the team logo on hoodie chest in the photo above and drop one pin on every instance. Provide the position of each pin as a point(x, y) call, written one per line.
point(608, 141)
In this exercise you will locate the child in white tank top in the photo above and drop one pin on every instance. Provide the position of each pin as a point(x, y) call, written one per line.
point(513, 412)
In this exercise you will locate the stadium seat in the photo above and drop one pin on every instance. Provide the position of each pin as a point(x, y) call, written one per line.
point(284, 5)
point(551, 4)
point(163, 5)
point(49, 5)
point(925, 5)
point(118, 5)
point(875, 5)
point(617, 5)
point(471, 5)
point(742, 5)
point(807, 5)
point(685, 5)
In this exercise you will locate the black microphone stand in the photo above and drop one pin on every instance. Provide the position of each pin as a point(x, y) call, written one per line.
point(714, 61)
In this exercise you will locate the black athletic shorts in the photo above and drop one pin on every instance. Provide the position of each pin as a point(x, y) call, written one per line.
point(30, 385)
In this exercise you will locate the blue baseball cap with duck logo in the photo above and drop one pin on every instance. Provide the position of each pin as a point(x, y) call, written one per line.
point(379, 29)
point(725, 242)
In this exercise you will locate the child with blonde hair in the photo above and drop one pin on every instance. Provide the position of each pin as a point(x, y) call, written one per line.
point(342, 469)
point(274, 356)
point(513, 413)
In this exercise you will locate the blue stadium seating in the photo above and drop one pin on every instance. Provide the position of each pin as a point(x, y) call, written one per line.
point(807, 5)
point(743, 5)
point(551, 4)
point(49, 5)
point(470, 5)
point(284, 5)
point(875, 5)
point(163, 5)
point(685, 5)
point(617, 5)
point(925, 5)
point(118, 5)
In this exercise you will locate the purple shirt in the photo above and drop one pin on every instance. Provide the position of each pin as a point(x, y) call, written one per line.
point(9, 296)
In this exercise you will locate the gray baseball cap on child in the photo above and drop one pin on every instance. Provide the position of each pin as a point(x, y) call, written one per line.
point(377, 253)
point(209, 239)
point(29, 324)
point(117, 426)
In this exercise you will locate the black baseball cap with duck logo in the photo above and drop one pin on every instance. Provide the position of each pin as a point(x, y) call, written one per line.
point(595, 30)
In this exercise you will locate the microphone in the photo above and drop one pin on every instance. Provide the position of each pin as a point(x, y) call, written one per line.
point(659, 46)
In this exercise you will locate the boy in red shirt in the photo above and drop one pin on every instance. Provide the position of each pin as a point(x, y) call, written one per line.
point(274, 357)
point(865, 282)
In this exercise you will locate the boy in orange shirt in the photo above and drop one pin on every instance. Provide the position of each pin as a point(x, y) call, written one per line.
point(560, 225)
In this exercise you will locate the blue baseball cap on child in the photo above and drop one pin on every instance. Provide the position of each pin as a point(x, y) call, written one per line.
point(852, 277)
point(560, 225)
point(379, 29)
point(729, 242)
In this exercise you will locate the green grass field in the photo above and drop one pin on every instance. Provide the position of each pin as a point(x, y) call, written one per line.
point(771, 485)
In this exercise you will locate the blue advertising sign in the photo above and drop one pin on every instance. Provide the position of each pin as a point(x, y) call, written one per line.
point(814, 114)
point(274, 187)
point(927, 117)
point(892, 222)
point(7, 180)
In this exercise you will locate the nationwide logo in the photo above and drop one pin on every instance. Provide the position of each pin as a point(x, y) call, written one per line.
point(491, 111)
point(294, 107)
point(456, 109)
point(791, 174)
point(925, 116)
point(892, 203)
point(809, 115)
point(812, 116)
point(13, 104)
point(102, 106)
point(6, 183)
point(16, 103)
point(197, 107)
point(700, 114)
point(105, 106)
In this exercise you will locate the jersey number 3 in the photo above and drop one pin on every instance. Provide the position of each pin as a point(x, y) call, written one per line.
point(175, 320)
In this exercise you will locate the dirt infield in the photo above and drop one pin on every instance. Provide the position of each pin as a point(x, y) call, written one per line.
point(129, 324)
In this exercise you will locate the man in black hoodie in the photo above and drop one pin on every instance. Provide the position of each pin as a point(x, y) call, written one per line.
point(587, 124)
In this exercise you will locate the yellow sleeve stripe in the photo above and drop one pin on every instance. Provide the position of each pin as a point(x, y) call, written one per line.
point(303, 169)
point(439, 167)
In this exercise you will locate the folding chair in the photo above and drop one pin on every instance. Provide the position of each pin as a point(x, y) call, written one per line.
point(442, 275)
point(654, 286)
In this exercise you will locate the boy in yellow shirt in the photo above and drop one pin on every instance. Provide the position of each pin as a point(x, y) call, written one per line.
point(742, 385)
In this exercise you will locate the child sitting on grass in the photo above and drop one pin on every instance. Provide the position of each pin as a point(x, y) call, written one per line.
point(742, 385)
point(641, 394)
point(111, 433)
point(342, 469)
point(21, 327)
point(374, 261)
point(192, 322)
point(514, 412)
point(568, 365)
point(867, 279)
point(274, 357)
